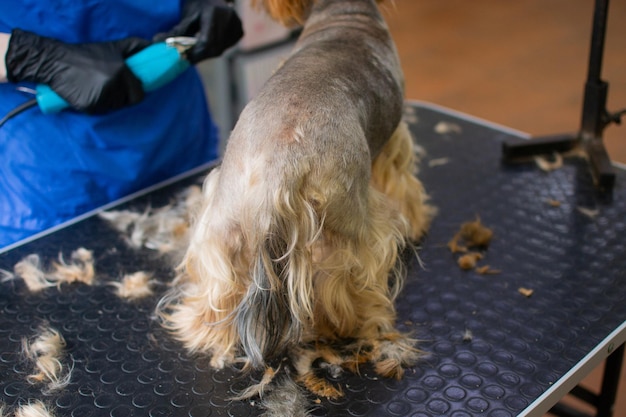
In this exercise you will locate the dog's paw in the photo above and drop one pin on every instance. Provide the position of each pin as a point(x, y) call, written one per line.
point(389, 368)
point(220, 361)
point(392, 353)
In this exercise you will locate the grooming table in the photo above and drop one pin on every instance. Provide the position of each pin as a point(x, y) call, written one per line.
point(490, 350)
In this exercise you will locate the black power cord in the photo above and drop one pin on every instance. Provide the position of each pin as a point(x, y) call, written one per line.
point(18, 110)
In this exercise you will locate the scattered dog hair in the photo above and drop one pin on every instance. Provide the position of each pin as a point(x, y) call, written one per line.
point(34, 408)
point(134, 286)
point(392, 353)
point(526, 292)
point(487, 270)
point(470, 235)
point(164, 229)
point(475, 234)
point(31, 272)
point(444, 128)
point(286, 398)
point(46, 350)
point(553, 203)
point(591, 213)
point(547, 165)
point(36, 277)
point(468, 261)
point(80, 269)
point(438, 162)
point(468, 336)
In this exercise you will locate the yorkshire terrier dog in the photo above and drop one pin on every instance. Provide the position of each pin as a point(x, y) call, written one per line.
point(295, 247)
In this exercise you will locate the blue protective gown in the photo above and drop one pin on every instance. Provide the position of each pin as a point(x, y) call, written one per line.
point(55, 167)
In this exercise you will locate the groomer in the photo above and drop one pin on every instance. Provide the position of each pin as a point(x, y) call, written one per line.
point(116, 139)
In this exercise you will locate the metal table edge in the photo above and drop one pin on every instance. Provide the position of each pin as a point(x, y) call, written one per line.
point(568, 381)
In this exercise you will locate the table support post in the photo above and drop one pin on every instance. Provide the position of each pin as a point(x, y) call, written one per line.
point(610, 382)
point(603, 402)
point(595, 116)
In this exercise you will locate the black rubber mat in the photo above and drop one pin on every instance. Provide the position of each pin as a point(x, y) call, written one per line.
point(490, 350)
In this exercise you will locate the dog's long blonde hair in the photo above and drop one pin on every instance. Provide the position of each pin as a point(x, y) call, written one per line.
point(298, 263)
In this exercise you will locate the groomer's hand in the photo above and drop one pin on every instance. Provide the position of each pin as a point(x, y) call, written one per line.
point(91, 77)
point(214, 23)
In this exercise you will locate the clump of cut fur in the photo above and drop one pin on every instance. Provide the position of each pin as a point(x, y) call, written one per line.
point(46, 351)
point(32, 273)
point(163, 229)
point(471, 235)
point(36, 277)
point(589, 212)
point(277, 394)
point(526, 292)
point(392, 353)
point(134, 286)
point(79, 269)
point(468, 260)
point(34, 408)
point(487, 270)
point(285, 398)
point(548, 164)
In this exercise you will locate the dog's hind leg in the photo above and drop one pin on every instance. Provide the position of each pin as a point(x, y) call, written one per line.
point(393, 173)
point(198, 307)
point(353, 267)
point(387, 349)
point(352, 262)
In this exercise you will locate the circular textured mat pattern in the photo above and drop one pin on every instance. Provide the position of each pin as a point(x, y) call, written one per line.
point(488, 350)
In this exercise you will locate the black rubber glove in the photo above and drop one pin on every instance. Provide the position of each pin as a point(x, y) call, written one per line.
point(91, 77)
point(215, 25)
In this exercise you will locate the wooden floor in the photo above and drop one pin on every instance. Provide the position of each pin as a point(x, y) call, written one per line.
point(521, 64)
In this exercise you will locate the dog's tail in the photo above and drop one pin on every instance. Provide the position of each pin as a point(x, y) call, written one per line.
point(278, 302)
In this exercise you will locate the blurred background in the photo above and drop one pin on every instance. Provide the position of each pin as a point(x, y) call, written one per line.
point(522, 64)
